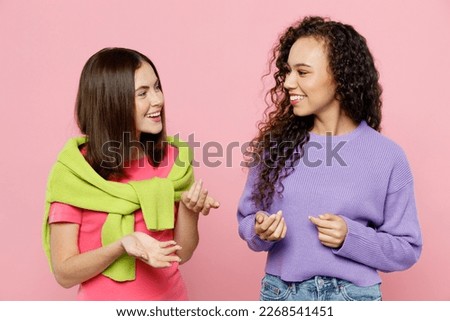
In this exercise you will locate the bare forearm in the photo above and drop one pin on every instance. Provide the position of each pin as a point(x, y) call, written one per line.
point(84, 266)
point(186, 232)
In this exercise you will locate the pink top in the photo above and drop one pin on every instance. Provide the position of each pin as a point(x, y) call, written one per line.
point(150, 283)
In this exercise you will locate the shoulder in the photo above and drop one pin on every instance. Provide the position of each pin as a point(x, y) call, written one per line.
point(383, 145)
point(394, 158)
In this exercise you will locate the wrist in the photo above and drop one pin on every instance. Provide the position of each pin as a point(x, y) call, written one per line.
point(183, 209)
point(122, 243)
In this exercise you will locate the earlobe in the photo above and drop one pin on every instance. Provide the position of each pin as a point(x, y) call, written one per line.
point(337, 97)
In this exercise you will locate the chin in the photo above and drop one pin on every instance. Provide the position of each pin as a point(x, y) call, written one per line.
point(300, 113)
point(153, 131)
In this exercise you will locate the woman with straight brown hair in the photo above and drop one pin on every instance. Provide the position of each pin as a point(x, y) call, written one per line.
point(122, 205)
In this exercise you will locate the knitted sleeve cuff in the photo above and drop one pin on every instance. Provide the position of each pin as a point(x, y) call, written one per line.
point(355, 244)
point(378, 250)
point(247, 232)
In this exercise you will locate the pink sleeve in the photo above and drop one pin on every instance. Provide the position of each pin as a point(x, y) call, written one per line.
point(60, 212)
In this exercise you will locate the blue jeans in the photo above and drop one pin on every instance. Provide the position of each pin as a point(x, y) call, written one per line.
point(319, 288)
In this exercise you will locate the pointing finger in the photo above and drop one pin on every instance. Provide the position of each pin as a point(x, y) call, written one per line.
point(191, 190)
point(195, 195)
point(320, 222)
point(328, 217)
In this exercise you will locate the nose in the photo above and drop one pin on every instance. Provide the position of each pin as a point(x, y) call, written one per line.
point(156, 99)
point(290, 82)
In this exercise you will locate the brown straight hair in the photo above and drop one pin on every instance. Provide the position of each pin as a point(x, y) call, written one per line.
point(105, 108)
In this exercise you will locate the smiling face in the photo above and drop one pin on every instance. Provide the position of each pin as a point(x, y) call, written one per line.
point(149, 101)
point(309, 82)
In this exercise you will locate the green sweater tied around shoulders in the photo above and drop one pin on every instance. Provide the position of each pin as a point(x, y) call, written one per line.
point(73, 181)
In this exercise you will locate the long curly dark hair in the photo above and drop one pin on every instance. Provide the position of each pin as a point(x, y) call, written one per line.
point(278, 147)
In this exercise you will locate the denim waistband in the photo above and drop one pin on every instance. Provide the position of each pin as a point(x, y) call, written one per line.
point(321, 283)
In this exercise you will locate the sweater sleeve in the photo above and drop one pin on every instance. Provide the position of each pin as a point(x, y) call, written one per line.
point(246, 217)
point(396, 243)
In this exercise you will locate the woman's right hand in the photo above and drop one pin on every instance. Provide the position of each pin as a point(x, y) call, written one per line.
point(270, 227)
point(151, 251)
point(197, 199)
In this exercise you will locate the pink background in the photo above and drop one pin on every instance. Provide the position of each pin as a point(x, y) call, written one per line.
point(211, 55)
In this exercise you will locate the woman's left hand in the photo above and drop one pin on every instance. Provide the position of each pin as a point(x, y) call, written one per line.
point(197, 199)
point(332, 229)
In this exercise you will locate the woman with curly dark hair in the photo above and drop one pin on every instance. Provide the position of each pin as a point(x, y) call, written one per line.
point(327, 196)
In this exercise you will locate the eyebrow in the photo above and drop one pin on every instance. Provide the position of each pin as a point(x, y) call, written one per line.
point(147, 87)
point(302, 65)
point(142, 87)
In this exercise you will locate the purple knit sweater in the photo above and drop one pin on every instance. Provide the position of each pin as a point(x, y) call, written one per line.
point(365, 178)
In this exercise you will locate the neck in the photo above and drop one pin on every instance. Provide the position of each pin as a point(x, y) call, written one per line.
point(137, 153)
point(337, 124)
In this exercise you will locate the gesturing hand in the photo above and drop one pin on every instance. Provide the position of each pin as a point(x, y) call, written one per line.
point(332, 229)
point(151, 251)
point(270, 227)
point(197, 199)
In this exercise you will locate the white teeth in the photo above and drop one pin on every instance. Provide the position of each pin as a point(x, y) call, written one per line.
point(297, 97)
point(152, 115)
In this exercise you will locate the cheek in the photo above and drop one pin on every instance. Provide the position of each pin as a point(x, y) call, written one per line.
point(330, 89)
point(140, 108)
point(329, 84)
point(310, 84)
point(321, 88)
